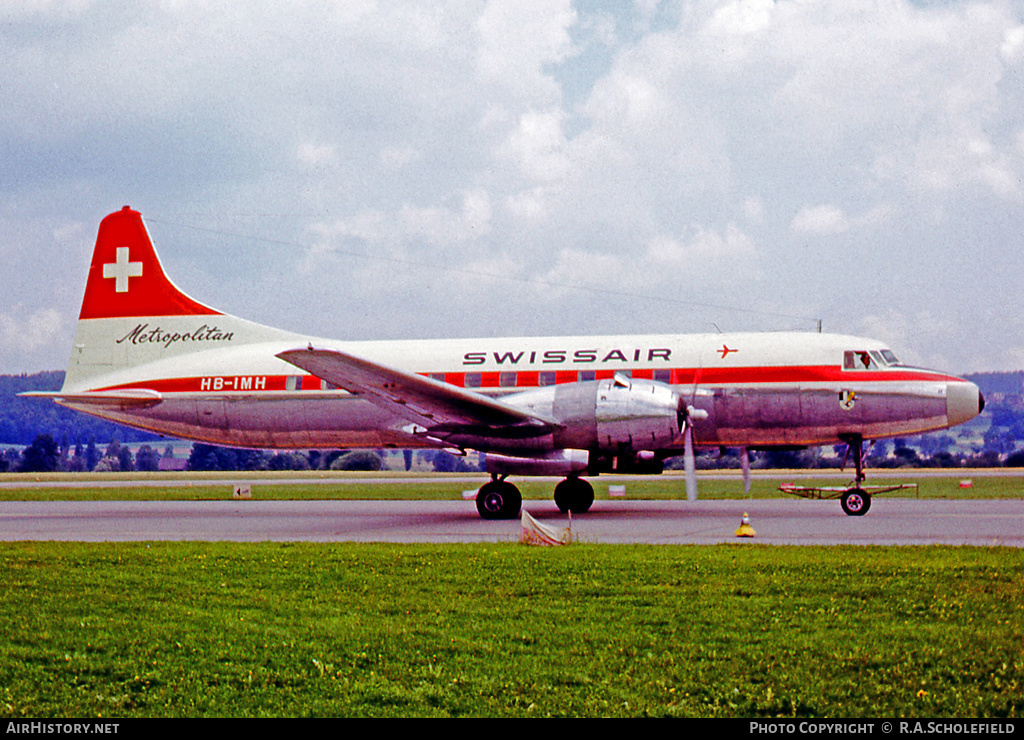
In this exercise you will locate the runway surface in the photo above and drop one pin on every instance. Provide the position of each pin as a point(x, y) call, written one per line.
point(775, 521)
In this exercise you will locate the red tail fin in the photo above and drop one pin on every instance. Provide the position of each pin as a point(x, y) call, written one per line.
point(125, 277)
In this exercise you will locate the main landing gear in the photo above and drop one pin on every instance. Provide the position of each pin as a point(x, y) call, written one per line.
point(856, 501)
point(499, 499)
point(574, 495)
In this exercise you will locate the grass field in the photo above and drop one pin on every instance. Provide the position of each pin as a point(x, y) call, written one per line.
point(199, 629)
point(295, 629)
point(390, 485)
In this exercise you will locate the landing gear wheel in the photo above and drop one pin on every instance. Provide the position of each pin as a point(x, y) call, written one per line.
point(498, 500)
point(574, 495)
point(856, 502)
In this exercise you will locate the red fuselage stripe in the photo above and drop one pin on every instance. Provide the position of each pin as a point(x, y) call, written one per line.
point(532, 379)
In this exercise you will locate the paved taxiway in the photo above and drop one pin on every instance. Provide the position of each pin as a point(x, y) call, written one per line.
point(776, 521)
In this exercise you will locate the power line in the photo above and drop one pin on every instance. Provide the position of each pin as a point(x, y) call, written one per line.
point(491, 276)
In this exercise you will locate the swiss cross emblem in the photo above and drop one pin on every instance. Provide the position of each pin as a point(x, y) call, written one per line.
point(121, 270)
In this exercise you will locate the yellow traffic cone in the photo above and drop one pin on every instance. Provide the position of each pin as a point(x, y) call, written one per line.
point(745, 529)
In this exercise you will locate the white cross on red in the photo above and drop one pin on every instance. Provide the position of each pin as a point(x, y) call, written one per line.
point(121, 270)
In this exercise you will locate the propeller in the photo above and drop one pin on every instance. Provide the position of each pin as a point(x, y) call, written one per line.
point(689, 463)
point(687, 413)
point(687, 416)
point(745, 466)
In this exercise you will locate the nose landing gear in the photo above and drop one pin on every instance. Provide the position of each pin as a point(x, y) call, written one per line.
point(856, 501)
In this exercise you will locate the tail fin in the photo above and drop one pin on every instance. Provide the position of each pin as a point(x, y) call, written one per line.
point(133, 315)
point(125, 277)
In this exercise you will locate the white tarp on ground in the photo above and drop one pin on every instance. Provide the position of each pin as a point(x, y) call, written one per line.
point(535, 533)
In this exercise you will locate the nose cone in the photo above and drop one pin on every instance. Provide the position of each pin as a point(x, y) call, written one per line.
point(963, 402)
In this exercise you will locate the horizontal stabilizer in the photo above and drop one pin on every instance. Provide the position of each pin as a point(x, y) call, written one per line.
point(132, 398)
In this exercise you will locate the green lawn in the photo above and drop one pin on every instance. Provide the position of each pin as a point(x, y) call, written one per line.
point(137, 486)
point(200, 629)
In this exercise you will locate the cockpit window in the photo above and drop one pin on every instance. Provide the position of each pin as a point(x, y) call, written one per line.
point(858, 360)
point(864, 359)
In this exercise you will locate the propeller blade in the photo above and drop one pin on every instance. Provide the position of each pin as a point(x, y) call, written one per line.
point(745, 466)
point(690, 463)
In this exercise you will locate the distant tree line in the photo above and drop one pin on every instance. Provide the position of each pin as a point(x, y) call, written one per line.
point(45, 455)
point(876, 456)
point(22, 420)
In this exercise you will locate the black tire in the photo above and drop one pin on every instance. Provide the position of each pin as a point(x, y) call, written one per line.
point(574, 495)
point(856, 502)
point(498, 500)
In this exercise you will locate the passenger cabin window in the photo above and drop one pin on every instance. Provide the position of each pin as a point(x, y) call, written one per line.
point(507, 379)
point(663, 375)
point(473, 380)
point(546, 378)
point(586, 375)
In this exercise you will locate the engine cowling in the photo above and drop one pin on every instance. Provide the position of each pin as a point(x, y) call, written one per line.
point(608, 414)
point(557, 462)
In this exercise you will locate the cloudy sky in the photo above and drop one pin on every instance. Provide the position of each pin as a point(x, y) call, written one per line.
point(372, 169)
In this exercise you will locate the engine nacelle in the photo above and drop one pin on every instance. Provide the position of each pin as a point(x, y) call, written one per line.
point(608, 414)
point(558, 462)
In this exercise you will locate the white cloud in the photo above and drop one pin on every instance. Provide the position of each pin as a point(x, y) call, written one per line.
point(623, 146)
point(820, 220)
point(753, 209)
point(904, 332)
point(538, 147)
point(704, 253)
point(28, 333)
point(315, 154)
point(68, 232)
point(399, 156)
point(741, 17)
point(574, 268)
point(665, 262)
point(14, 10)
point(444, 226)
point(1012, 49)
point(530, 207)
point(518, 38)
point(395, 232)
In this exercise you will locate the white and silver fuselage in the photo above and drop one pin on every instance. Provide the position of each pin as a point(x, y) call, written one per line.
point(763, 389)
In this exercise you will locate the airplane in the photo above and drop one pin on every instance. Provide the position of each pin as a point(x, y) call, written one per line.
point(147, 355)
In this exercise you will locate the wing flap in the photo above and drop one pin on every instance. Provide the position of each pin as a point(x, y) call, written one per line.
point(437, 406)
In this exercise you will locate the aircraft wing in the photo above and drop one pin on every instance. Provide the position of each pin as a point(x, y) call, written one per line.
point(439, 407)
